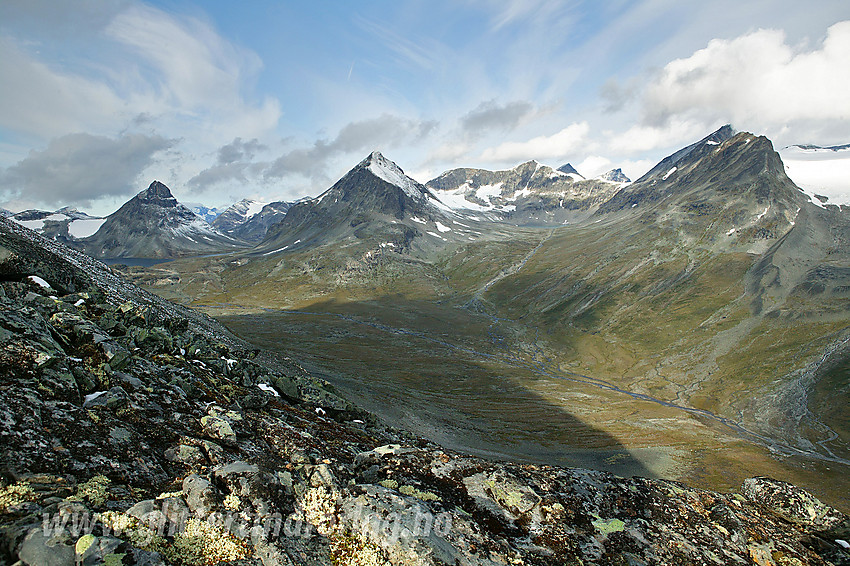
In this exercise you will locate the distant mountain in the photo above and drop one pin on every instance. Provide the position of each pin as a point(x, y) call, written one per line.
point(570, 170)
point(65, 224)
point(615, 176)
point(810, 147)
point(154, 225)
point(203, 211)
point(249, 220)
point(529, 194)
point(375, 202)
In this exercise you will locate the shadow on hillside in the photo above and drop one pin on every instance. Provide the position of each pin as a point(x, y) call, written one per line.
point(439, 384)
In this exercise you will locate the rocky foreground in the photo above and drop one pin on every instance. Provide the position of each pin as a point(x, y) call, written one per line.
point(133, 431)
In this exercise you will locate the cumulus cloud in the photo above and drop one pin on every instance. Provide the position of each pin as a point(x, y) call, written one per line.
point(756, 80)
point(492, 116)
point(382, 132)
point(569, 140)
point(80, 168)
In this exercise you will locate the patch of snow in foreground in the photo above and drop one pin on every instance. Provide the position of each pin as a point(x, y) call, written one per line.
point(670, 172)
point(437, 236)
point(40, 282)
point(91, 396)
point(442, 227)
point(730, 232)
point(269, 388)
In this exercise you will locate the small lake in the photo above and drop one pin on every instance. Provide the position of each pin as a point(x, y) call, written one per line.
point(135, 261)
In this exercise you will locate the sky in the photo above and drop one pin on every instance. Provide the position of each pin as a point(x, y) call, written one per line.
point(275, 100)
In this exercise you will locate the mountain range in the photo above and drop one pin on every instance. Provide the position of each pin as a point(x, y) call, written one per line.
point(708, 297)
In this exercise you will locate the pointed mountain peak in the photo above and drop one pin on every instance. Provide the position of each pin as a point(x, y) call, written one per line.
point(722, 134)
point(388, 171)
point(158, 192)
point(569, 170)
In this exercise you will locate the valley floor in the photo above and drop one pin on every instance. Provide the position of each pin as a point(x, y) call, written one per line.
point(480, 387)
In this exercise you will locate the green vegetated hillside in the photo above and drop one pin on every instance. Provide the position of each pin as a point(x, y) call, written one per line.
point(697, 320)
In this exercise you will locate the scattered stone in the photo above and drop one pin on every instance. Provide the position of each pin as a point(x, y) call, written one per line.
point(219, 429)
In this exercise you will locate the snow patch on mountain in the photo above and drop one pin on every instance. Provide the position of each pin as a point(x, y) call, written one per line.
point(823, 171)
point(84, 228)
point(385, 169)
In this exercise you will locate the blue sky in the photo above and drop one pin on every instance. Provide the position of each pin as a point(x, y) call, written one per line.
point(276, 100)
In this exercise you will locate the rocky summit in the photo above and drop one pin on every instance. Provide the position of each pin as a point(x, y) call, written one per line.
point(135, 431)
point(154, 225)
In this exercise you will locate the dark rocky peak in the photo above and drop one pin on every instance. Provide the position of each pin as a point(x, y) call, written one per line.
point(569, 170)
point(158, 193)
point(715, 169)
point(690, 154)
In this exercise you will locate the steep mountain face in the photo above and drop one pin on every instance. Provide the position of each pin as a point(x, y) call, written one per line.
point(135, 431)
point(65, 224)
point(728, 190)
point(529, 194)
point(374, 203)
point(249, 220)
point(154, 225)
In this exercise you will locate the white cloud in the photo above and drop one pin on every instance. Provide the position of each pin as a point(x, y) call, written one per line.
point(571, 139)
point(41, 101)
point(177, 73)
point(80, 168)
point(641, 138)
point(593, 166)
point(193, 69)
point(756, 81)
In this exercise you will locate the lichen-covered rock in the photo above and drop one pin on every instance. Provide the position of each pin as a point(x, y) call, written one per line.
point(52, 549)
point(219, 429)
point(200, 495)
point(790, 501)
